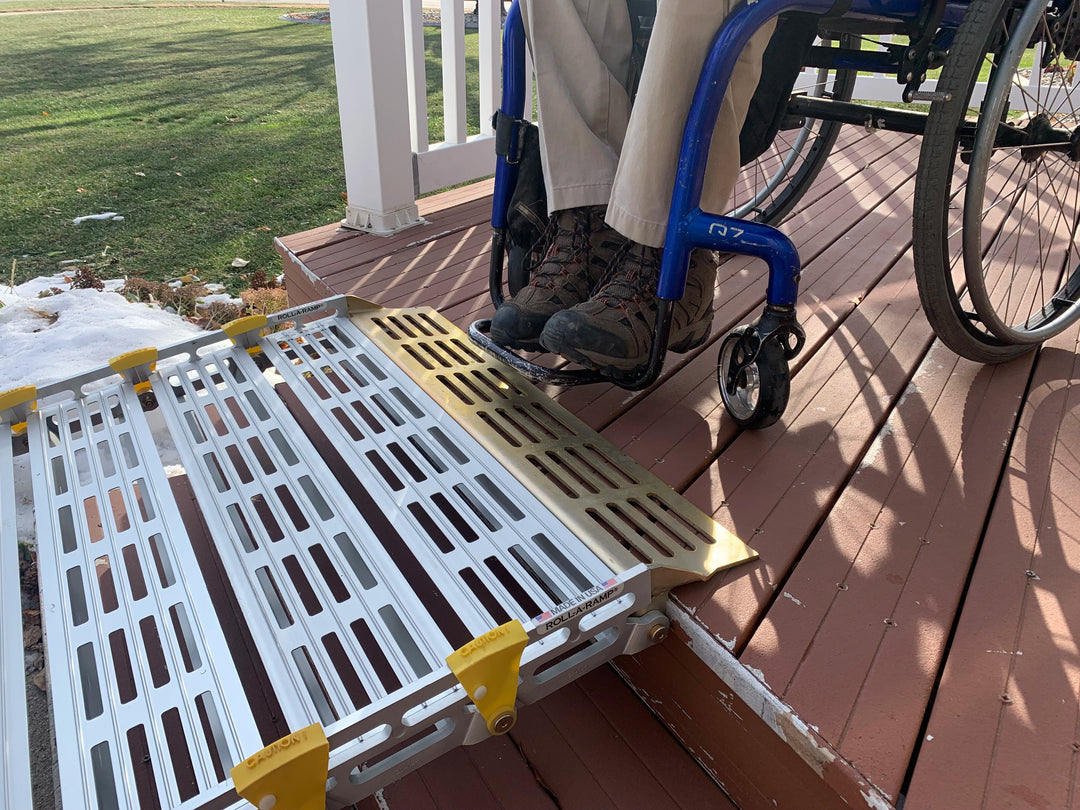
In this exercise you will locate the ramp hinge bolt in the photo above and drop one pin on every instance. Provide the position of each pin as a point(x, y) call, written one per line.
point(503, 723)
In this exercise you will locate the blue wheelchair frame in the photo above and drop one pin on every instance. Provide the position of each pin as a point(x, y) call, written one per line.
point(688, 226)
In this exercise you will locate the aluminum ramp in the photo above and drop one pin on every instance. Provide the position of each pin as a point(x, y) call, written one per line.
point(350, 499)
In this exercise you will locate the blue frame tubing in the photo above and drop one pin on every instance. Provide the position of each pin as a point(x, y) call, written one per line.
point(689, 226)
point(512, 106)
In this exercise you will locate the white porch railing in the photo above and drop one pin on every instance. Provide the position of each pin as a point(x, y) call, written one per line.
point(383, 93)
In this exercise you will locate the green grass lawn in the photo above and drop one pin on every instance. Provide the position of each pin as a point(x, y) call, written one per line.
point(210, 129)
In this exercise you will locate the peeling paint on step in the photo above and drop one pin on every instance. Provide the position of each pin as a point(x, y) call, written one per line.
point(876, 802)
point(750, 688)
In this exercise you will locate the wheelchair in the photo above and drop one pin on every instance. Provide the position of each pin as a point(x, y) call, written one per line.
point(997, 197)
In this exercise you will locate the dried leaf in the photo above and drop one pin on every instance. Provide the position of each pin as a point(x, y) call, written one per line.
point(39, 680)
point(31, 636)
point(238, 262)
point(51, 317)
point(140, 174)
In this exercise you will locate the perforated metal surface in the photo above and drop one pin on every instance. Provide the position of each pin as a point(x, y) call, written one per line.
point(147, 703)
point(363, 530)
point(374, 536)
point(14, 752)
point(624, 513)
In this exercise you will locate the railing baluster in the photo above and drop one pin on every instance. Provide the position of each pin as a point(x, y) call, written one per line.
point(490, 36)
point(453, 70)
point(416, 74)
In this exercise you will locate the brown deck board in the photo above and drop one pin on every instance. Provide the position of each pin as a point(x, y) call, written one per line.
point(903, 584)
point(774, 489)
point(895, 517)
point(827, 298)
point(1004, 726)
point(614, 771)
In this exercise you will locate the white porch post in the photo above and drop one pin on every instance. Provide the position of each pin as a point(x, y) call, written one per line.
point(369, 48)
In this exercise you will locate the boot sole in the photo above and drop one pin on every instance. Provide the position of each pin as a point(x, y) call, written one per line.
point(623, 368)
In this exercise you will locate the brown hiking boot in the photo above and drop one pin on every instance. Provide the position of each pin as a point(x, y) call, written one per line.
point(613, 330)
point(579, 249)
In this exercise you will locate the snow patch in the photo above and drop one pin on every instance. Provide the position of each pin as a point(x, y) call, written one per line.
point(69, 333)
point(60, 336)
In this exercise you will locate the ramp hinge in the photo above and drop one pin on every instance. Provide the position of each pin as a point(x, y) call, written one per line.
point(136, 367)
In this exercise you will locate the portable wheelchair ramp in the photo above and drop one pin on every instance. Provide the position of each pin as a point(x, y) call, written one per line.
point(357, 496)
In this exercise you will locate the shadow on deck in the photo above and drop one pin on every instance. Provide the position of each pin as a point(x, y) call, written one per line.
point(908, 634)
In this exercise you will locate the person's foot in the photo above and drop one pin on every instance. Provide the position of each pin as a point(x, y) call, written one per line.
point(613, 330)
point(579, 249)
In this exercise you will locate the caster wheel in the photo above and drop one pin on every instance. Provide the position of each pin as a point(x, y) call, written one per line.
point(757, 394)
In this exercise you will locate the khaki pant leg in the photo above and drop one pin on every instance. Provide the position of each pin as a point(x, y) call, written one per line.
point(645, 180)
point(581, 52)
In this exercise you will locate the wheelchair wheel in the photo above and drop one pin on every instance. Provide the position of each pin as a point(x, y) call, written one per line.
point(769, 187)
point(757, 394)
point(997, 197)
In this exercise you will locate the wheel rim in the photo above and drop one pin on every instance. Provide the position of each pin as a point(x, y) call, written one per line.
point(756, 174)
point(770, 184)
point(1021, 205)
point(743, 400)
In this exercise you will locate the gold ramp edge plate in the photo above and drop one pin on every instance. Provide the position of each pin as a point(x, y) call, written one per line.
point(621, 511)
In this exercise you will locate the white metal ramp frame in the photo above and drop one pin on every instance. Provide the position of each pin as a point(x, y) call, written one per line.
point(352, 476)
point(14, 745)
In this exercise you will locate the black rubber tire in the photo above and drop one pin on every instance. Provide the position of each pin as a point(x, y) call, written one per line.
point(517, 274)
point(771, 208)
point(940, 191)
point(762, 390)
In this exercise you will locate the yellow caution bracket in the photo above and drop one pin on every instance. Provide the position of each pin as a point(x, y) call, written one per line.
point(289, 774)
point(137, 366)
point(245, 331)
point(488, 669)
point(134, 360)
point(20, 401)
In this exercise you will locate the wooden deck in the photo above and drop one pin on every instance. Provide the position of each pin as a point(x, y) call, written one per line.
point(909, 633)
